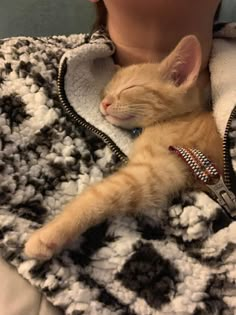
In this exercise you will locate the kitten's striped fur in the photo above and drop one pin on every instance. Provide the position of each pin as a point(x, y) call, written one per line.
point(165, 99)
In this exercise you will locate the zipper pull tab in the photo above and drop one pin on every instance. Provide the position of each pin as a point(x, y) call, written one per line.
point(206, 172)
point(225, 198)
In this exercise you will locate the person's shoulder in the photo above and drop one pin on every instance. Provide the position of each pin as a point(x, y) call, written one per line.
point(34, 53)
point(56, 41)
point(33, 58)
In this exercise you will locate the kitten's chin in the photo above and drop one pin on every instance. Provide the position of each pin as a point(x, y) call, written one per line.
point(122, 123)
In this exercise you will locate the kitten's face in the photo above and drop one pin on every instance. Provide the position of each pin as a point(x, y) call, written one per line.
point(141, 95)
point(130, 100)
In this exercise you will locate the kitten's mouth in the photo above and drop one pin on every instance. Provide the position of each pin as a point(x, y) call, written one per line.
point(124, 118)
point(114, 117)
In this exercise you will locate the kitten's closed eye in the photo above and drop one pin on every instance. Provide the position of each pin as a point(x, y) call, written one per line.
point(132, 106)
point(125, 108)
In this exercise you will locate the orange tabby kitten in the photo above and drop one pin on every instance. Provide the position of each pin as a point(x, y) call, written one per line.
point(166, 100)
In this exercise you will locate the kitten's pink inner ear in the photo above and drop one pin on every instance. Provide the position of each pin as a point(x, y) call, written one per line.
point(183, 64)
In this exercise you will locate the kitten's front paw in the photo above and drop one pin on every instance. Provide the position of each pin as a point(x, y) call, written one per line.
point(37, 248)
point(47, 241)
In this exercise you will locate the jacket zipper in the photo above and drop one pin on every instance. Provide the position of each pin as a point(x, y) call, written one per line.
point(226, 148)
point(222, 190)
point(81, 122)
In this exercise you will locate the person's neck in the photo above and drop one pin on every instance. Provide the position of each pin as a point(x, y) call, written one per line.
point(155, 42)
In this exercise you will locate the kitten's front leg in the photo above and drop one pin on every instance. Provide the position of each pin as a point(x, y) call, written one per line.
point(137, 186)
point(77, 216)
point(94, 205)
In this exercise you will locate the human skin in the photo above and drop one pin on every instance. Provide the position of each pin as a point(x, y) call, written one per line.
point(148, 30)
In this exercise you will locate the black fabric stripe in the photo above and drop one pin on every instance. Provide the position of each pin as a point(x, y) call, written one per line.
point(106, 297)
point(218, 287)
point(94, 239)
point(148, 231)
point(151, 276)
point(13, 107)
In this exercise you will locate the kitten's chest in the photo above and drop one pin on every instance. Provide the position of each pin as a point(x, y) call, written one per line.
point(162, 136)
point(194, 132)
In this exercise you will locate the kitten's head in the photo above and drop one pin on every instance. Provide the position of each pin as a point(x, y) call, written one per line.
point(143, 94)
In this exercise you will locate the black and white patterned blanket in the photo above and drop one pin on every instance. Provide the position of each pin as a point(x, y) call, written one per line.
point(184, 264)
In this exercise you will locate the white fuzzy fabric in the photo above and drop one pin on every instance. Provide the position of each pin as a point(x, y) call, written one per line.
point(89, 68)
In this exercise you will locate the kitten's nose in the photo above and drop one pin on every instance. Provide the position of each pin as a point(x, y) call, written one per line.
point(107, 101)
point(105, 104)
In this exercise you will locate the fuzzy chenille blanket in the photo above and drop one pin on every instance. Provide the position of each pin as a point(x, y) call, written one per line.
point(54, 143)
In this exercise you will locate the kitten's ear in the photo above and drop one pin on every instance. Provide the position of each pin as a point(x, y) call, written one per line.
point(183, 64)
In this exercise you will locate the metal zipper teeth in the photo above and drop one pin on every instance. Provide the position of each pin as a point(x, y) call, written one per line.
point(79, 120)
point(226, 148)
